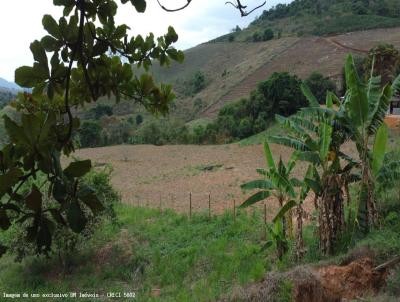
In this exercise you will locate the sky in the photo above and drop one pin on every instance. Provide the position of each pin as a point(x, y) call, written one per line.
point(203, 20)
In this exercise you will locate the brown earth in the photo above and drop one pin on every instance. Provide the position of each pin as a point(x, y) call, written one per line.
point(393, 121)
point(330, 283)
point(351, 281)
point(143, 174)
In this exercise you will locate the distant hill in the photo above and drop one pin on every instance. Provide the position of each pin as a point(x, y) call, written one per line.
point(233, 69)
point(8, 85)
point(322, 17)
point(309, 36)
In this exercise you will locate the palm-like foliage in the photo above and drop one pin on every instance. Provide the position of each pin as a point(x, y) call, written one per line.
point(276, 183)
point(365, 108)
point(317, 134)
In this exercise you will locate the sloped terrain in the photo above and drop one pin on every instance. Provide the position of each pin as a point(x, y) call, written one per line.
point(233, 70)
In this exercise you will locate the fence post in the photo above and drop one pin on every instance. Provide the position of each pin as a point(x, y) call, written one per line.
point(234, 210)
point(190, 205)
point(160, 203)
point(265, 221)
point(209, 206)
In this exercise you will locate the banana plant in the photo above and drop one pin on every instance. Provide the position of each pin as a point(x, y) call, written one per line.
point(317, 134)
point(276, 184)
point(365, 108)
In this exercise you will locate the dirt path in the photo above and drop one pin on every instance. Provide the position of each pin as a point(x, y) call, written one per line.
point(345, 47)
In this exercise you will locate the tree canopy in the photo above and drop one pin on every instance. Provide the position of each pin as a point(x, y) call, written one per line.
point(84, 56)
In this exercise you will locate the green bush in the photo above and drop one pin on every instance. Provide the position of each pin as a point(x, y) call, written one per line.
point(257, 37)
point(99, 111)
point(268, 34)
point(65, 241)
point(320, 85)
point(280, 94)
point(160, 132)
point(196, 83)
point(116, 133)
point(90, 134)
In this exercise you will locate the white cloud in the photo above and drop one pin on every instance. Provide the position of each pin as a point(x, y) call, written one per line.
point(203, 20)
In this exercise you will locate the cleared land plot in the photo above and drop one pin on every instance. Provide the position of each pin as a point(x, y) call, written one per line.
point(143, 174)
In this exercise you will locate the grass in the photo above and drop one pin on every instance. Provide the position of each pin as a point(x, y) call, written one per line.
point(151, 252)
point(169, 257)
point(260, 138)
point(198, 122)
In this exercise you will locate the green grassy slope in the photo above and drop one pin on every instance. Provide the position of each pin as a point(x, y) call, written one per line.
point(168, 257)
point(324, 17)
point(187, 260)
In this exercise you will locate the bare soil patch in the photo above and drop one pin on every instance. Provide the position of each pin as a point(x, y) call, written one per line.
point(145, 174)
point(318, 284)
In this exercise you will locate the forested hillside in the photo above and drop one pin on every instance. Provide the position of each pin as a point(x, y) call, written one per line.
point(321, 17)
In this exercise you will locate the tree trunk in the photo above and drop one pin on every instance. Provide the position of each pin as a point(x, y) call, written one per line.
point(299, 234)
point(331, 213)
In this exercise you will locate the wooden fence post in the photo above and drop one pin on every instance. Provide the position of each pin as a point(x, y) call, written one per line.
point(209, 206)
point(234, 210)
point(160, 203)
point(190, 205)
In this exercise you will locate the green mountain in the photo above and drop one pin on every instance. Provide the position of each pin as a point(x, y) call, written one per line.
point(322, 17)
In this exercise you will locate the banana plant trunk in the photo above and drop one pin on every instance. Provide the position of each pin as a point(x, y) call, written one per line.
point(281, 244)
point(331, 213)
point(367, 212)
point(299, 234)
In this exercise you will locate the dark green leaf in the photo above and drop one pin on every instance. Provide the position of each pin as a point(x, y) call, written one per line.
point(78, 168)
point(44, 238)
point(93, 203)
point(51, 26)
point(34, 199)
point(257, 184)
point(25, 76)
point(58, 217)
point(379, 148)
point(39, 53)
point(59, 191)
point(8, 180)
point(282, 212)
point(312, 100)
point(76, 218)
point(140, 5)
point(256, 198)
point(4, 220)
point(314, 185)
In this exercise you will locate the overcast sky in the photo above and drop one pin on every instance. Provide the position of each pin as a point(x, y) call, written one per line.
point(20, 24)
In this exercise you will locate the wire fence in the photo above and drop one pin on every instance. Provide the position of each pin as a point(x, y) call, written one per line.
point(191, 203)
